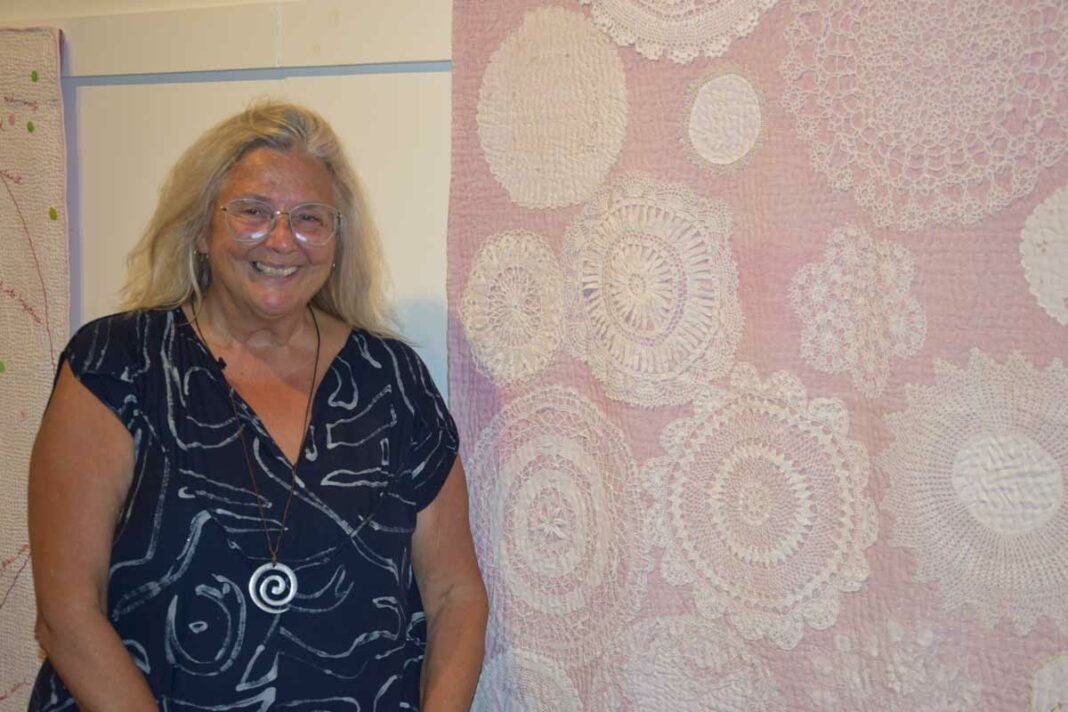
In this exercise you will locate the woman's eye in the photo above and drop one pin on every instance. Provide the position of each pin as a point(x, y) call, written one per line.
point(310, 219)
point(249, 210)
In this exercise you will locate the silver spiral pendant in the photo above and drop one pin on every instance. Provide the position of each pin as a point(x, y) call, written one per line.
point(272, 586)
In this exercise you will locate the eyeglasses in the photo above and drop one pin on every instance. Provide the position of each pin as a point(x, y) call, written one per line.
point(251, 220)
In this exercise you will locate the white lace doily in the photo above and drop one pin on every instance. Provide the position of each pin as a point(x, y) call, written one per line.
point(652, 290)
point(763, 506)
point(930, 112)
point(559, 526)
point(513, 306)
point(522, 682)
point(857, 309)
point(682, 663)
point(681, 29)
point(725, 120)
point(976, 487)
point(1049, 686)
point(552, 109)
point(1044, 253)
point(892, 668)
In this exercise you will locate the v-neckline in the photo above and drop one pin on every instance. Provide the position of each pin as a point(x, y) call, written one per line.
point(213, 365)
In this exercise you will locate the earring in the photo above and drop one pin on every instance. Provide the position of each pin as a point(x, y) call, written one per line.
point(202, 269)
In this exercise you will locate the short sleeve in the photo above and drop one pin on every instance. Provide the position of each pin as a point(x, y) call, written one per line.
point(102, 355)
point(432, 440)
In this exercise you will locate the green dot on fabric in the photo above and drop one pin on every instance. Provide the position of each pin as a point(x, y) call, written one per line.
point(30, 126)
point(53, 214)
point(33, 76)
point(2, 367)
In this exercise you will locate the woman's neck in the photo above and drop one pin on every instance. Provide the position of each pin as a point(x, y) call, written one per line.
point(231, 327)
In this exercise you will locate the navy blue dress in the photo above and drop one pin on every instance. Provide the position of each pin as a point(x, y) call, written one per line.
point(190, 533)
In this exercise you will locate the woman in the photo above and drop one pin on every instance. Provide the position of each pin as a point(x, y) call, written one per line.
point(244, 494)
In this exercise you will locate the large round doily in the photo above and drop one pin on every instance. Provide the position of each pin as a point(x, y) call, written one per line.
point(681, 29)
point(652, 290)
point(892, 668)
point(682, 663)
point(857, 308)
point(976, 469)
point(522, 682)
point(763, 506)
point(552, 109)
point(513, 306)
point(1044, 254)
point(930, 112)
point(559, 528)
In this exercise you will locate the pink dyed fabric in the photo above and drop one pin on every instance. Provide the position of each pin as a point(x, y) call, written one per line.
point(757, 312)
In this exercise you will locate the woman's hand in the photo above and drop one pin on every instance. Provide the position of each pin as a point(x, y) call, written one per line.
point(80, 471)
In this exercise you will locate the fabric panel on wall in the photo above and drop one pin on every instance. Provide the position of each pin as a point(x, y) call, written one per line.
point(34, 308)
point(758, 319)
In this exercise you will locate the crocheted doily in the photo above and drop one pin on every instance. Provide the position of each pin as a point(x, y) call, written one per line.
point(1044, 253)
point(682, 663)
point(763, 506)
point(552, 109)
point(857, 308)
point(895, 668)
point(517, 680)
point(976, 492)
point(513, 306)
point(560, 528)
point(930, 112)
point(652, 290)
point(725, 120)
point(680, 29)
point(1049, 685)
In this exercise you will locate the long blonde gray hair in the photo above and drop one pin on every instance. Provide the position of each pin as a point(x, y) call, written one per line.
point(163, 269)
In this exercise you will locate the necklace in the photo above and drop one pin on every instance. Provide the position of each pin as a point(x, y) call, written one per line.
point(273, 585)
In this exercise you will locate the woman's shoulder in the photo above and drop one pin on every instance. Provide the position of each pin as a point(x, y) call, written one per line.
point(390, 357)
point(383, 348)
point(119, 332)
point(129, 320)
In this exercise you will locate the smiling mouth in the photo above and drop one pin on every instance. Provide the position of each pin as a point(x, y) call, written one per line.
point(267, 269)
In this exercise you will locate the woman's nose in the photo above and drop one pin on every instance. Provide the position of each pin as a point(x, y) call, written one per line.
point(281, 237)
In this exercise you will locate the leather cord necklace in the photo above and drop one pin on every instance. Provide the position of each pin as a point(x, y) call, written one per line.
point(273, 585)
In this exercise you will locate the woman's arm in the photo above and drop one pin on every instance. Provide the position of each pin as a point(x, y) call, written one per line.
point(80, 470)
point(453, 595)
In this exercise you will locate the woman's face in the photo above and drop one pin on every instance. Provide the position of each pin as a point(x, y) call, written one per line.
point(278, 275)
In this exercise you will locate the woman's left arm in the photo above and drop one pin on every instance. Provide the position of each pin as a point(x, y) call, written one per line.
point(454, 597)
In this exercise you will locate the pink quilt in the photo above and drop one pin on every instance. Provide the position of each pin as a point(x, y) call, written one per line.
point(758, 312)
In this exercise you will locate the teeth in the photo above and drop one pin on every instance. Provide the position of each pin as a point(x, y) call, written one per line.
point(274, 271)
